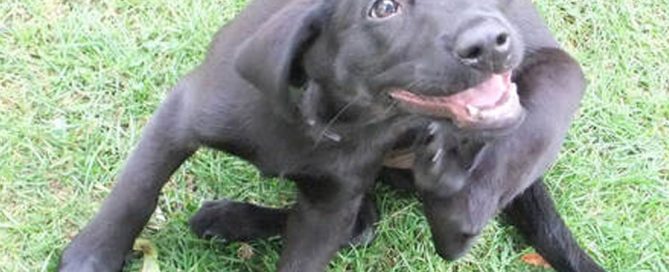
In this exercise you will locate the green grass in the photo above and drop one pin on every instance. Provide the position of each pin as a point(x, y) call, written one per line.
point(78, 80)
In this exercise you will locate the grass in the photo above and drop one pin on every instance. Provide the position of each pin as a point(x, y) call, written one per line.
point(78, 80)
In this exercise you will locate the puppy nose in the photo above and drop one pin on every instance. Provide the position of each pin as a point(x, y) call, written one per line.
point(485, 46)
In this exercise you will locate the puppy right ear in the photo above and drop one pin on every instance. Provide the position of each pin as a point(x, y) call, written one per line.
point(268, 59)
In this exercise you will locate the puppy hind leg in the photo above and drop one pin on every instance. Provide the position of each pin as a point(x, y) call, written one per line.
point(533, 213)
point(238, 221)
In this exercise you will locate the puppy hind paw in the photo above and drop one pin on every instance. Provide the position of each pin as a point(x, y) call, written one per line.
point(203, 221)
point(232, 221)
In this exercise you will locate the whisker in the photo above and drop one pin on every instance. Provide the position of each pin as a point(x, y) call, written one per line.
point(390, 107)
point(334, 119)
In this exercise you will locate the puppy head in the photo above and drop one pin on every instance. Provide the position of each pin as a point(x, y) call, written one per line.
point(450, 60)
point(443, 59)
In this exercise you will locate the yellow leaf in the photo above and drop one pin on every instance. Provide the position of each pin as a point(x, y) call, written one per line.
point(150, 255)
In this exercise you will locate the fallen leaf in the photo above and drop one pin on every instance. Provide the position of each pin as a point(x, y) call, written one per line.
point(535, 259)
point(157, 221)
point(150, 255)
point(245, 251)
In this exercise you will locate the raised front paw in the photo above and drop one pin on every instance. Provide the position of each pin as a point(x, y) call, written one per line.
point(444, 164)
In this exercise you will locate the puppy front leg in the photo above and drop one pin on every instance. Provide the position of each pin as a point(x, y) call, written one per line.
point(102, 244)
point(322, 220)
point(550, 86)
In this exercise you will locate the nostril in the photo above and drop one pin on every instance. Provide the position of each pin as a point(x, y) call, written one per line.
point(474, 52)
point(471, 53)
point(502, 42)
point(502, 38)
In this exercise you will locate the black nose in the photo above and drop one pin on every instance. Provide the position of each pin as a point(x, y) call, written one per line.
point(485, 46)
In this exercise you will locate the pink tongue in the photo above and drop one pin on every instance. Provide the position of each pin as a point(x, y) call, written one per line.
point(485, 94)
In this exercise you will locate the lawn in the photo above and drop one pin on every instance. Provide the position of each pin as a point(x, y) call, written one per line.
point(80, 78)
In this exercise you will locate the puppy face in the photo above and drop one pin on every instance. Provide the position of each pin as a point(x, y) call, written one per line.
point(449, 60)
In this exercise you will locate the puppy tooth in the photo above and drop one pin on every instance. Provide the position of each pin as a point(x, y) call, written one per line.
point(473, 111)
point(487, 114)
point(494, 112)
point(514, 88)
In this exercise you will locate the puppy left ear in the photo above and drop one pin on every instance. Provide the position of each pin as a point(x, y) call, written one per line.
point(269, 58)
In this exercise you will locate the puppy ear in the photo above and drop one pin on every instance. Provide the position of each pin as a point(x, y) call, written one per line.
point(269, 58)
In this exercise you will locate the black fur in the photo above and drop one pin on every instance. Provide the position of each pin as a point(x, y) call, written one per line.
point(300, 89)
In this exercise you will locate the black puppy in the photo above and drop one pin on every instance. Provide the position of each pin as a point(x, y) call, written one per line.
point(319, 91)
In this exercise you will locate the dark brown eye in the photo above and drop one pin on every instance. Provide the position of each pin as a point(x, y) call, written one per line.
point(384, 9)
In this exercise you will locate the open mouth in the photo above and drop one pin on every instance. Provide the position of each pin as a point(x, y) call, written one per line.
point(491, 104)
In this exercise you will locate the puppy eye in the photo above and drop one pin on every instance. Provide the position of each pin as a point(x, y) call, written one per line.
point(384, 9)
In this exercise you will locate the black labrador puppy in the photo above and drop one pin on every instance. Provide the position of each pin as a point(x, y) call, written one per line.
point(322, 91)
